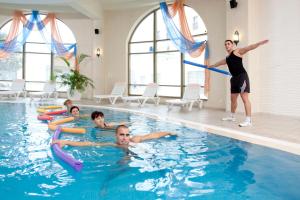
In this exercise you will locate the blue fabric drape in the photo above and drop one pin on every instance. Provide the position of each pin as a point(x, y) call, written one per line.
point(182, 44)
point(35, 20)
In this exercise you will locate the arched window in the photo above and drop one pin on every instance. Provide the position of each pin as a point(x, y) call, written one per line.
point(153, 57)
point(34, 62)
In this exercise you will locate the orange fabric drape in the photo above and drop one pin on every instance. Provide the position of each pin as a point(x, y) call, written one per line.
point(18, 18)
point(51, 18)
point(206, 79)
point(173, 9)
point(178, 7)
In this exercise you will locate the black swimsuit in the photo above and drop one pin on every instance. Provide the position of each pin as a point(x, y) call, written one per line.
point(239, 81)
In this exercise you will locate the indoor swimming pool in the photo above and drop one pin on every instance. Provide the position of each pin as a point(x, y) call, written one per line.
point(193, 165)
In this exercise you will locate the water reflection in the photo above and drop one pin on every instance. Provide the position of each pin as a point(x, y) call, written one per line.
point(24, 154)
point(187, 165)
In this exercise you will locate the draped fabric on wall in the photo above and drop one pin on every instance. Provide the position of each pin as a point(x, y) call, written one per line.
point(207, 72)
point(183, 38)
point(21, 28)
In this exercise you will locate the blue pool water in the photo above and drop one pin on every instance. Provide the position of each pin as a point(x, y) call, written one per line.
point(194, 165)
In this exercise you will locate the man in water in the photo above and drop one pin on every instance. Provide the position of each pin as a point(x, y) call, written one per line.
point(123, 139)
point(240, 81)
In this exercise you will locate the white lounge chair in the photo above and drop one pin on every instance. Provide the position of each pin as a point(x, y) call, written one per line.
point(191, 95)
point(117, 92)
point(49, 91)
point(17, 88)
point(149, 93)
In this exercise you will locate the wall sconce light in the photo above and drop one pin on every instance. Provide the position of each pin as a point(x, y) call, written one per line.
point(98, 52)
point(236, 37)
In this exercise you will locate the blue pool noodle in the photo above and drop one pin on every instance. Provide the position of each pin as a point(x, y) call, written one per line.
point(205, 67)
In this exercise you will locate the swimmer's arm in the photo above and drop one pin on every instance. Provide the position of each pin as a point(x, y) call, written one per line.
point(62, 143)
point(110, 125)
point(119, 123)
point(217, 64)
point(150, 136)
point(244, 50)
point(104, 125)
point(115, 124)
point(84, 116)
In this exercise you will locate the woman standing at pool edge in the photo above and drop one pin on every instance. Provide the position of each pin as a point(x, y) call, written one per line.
point(239, 81)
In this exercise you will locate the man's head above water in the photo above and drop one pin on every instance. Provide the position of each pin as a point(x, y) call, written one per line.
point(122, 135)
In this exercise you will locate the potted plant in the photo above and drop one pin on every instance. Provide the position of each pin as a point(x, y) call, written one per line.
point(76, 81)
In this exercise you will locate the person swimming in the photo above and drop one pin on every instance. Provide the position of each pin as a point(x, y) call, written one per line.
point(69, 104)
point(99, 120)
point(75, 112)
point(123, 139)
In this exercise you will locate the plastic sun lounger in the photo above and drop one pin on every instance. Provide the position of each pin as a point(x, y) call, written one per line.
point(16, 89)
point(191, 95)
point(149, 94)
point(117, 92)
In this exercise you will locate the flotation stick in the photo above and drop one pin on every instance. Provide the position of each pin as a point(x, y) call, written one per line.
point(64, 120)
point(75, 164)
point(50, 107)
point(53, 126)
point(67, 129)
point(45, 117)
point(41, 110)
point(205, 67)
point(45, 110)
point(56, 112)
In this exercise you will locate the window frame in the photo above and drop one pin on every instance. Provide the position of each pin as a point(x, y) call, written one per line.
point(154, 53)
point(23, 52)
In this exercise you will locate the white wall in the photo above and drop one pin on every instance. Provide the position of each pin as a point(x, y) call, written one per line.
point(279, 60)
point(84, 42)
point(118, 27)
point(88, 42)
point(5, 16)
point(254, 56)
